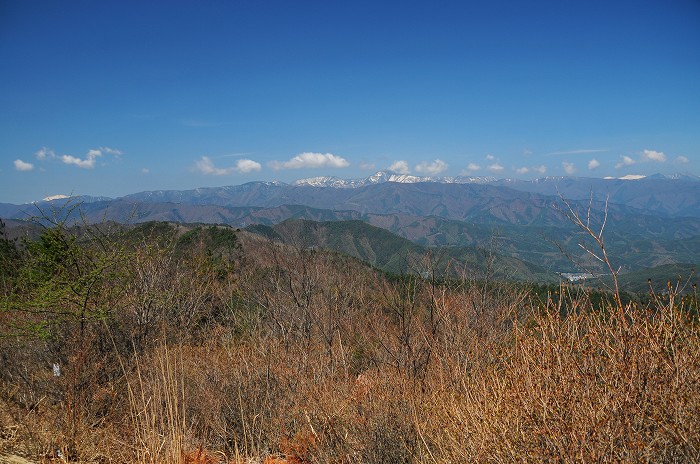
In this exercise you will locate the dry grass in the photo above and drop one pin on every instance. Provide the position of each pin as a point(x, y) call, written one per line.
point(157, 409)
point(308, 358)
point(584, 389)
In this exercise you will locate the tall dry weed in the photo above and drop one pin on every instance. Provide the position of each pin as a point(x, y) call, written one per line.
point(586, 388)
point(157, 405)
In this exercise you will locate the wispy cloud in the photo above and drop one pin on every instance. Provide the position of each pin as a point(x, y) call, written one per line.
point(581, 151)
point(569, 168)
point(23, 166)
point(436, 167)
point(473, 167)
point(88, 162)
point(311, 160)
point(681, 160)
point(145, 171)
point(541, 169)
point(593, 164)
point(206, 166)
point(489, 157)
point(496, 168)
point(399, 167)
point(367, 166)
point(44, 153)
point(653, 155)
point(625, 161)
point(111, 151)
point(647, 156)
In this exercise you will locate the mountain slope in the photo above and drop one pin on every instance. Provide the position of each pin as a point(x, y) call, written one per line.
point(390, 252)
point(673, 197)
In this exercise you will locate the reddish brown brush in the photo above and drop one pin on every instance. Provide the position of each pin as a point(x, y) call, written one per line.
point(276, 460)
point(198, 456)
point(297, 449)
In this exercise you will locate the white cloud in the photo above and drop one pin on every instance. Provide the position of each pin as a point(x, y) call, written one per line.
point(652, 155)
point(312, 160)
point(87, 163)
point(247, 165)
point(112, 151)
point(436, 167)
point(681, 160)
point(625, 161)
point(495, 167)
point(23, 166)
point(593, 164)
point(44, 153)
point(206, 166)
point(145, 171)
point(490, 157)
point(90, 159)
point(367, 166)
point(541, 169)
point(569, 168)
point(399, 167)
point(527, 152)
point(471, 167)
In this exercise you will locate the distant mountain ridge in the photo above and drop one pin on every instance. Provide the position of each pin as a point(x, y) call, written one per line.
point(494, 202)
point(651, 221)
point(387, 176)
point(670, 195)
point(384, 176)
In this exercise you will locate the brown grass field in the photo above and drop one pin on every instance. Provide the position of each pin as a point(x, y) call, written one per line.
point(264, 353)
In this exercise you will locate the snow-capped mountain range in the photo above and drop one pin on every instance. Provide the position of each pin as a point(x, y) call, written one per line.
point(383, 176)
point(674, 191)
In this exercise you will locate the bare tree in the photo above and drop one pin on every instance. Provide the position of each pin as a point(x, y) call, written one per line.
point(598, 251)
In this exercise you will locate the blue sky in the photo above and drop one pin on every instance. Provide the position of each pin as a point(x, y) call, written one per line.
point(109, 98)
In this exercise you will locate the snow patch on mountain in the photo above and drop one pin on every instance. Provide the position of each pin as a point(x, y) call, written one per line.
point(55, 197)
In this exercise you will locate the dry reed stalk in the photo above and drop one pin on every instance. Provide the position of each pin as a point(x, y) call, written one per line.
point(157, 409)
